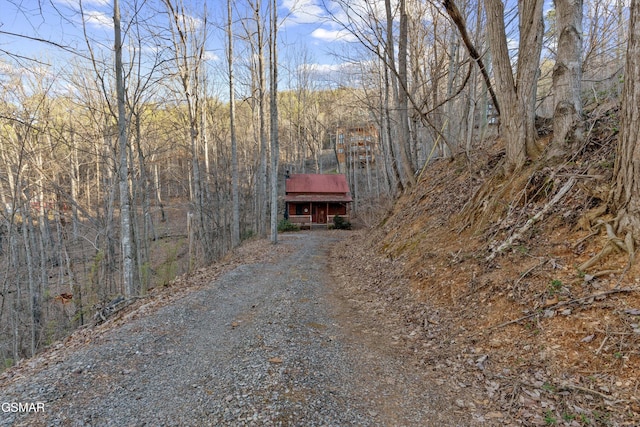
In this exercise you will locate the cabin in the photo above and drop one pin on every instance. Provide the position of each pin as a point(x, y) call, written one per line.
point(315, 199)
point(355, 146)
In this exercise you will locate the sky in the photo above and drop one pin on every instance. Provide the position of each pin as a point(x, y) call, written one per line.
point(305, 27)
point(310, 36)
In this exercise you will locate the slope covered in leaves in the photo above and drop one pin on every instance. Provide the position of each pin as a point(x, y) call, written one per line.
point(550, 343)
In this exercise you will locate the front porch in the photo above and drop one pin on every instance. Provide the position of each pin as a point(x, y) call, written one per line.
point(316, 214)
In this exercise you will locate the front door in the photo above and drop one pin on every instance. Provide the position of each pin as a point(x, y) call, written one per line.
point(322, 216)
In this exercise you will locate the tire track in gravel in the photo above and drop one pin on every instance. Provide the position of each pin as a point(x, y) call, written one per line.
point(265, 344)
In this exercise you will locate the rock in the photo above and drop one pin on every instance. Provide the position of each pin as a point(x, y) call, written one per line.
point(588, 338)
point(480, 361)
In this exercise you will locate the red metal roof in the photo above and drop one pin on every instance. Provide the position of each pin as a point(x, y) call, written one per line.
point(317, 183)
point(301, 198)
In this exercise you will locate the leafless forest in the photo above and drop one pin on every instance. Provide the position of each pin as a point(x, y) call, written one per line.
point(140, 157)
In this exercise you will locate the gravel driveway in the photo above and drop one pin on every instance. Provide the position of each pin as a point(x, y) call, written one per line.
point(265, 344)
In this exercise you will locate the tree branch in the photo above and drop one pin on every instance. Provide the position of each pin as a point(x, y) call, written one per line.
point(456, 17)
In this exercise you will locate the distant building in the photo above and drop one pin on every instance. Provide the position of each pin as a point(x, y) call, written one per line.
point(313, 199)
point(355, 145)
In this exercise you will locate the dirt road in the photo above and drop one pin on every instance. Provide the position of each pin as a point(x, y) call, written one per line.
point(274, 344)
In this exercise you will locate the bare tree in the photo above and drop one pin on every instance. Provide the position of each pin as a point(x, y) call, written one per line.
point(262, 171)
point(403, 96)
point(275, 150)
point(458, 20)
point(516, 93)
point(235, 215)
point(125, 208)
point(255, 37)
point(567, 76)
point(188, 55)
point(626, 191)
point(397, 83)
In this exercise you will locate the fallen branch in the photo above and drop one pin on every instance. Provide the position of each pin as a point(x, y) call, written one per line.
point(604, 341)
point(605, 273)
point(570, 387)
point(117, 304)
point(511, 322)
point(537, 217)
point(526, 273)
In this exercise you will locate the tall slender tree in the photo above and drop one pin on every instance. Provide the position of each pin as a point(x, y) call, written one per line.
point(126, 241)
point(235, 210)
point(396, 83)
point(188, 50)
point(275, 149)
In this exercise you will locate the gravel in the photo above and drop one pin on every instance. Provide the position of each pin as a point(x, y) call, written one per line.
point(265, 344)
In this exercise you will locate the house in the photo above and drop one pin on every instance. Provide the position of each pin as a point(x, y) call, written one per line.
point(355, 145)
point(315, 199)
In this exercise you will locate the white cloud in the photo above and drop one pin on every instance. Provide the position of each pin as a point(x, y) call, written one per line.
point(342, 74)
point(98, 19)
point(333, 35)
point(192, 22)
point(75, 4)
point(97, 2)
point(209, 55)
point(303, 11)
point(321, 68)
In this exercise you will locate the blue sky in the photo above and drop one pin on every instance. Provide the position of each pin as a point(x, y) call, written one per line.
point(309, 33)
point(307, 36)
point(303, 26)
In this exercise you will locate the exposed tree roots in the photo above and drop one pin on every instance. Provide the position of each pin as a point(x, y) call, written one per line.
point(537, 217)
point(614, 243)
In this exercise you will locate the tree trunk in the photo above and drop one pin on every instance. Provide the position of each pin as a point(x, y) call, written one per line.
point(399, 142)
point(34, 289)
point(516, 95)
point(453, 127)
point(235, 216)
point(125, 214)
point(567, 76)
point(275, 150)
point(626, 192)
point(403, 99)
point(188, 54)
point(143, 250)
point(262, 171)
point(456, 17)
